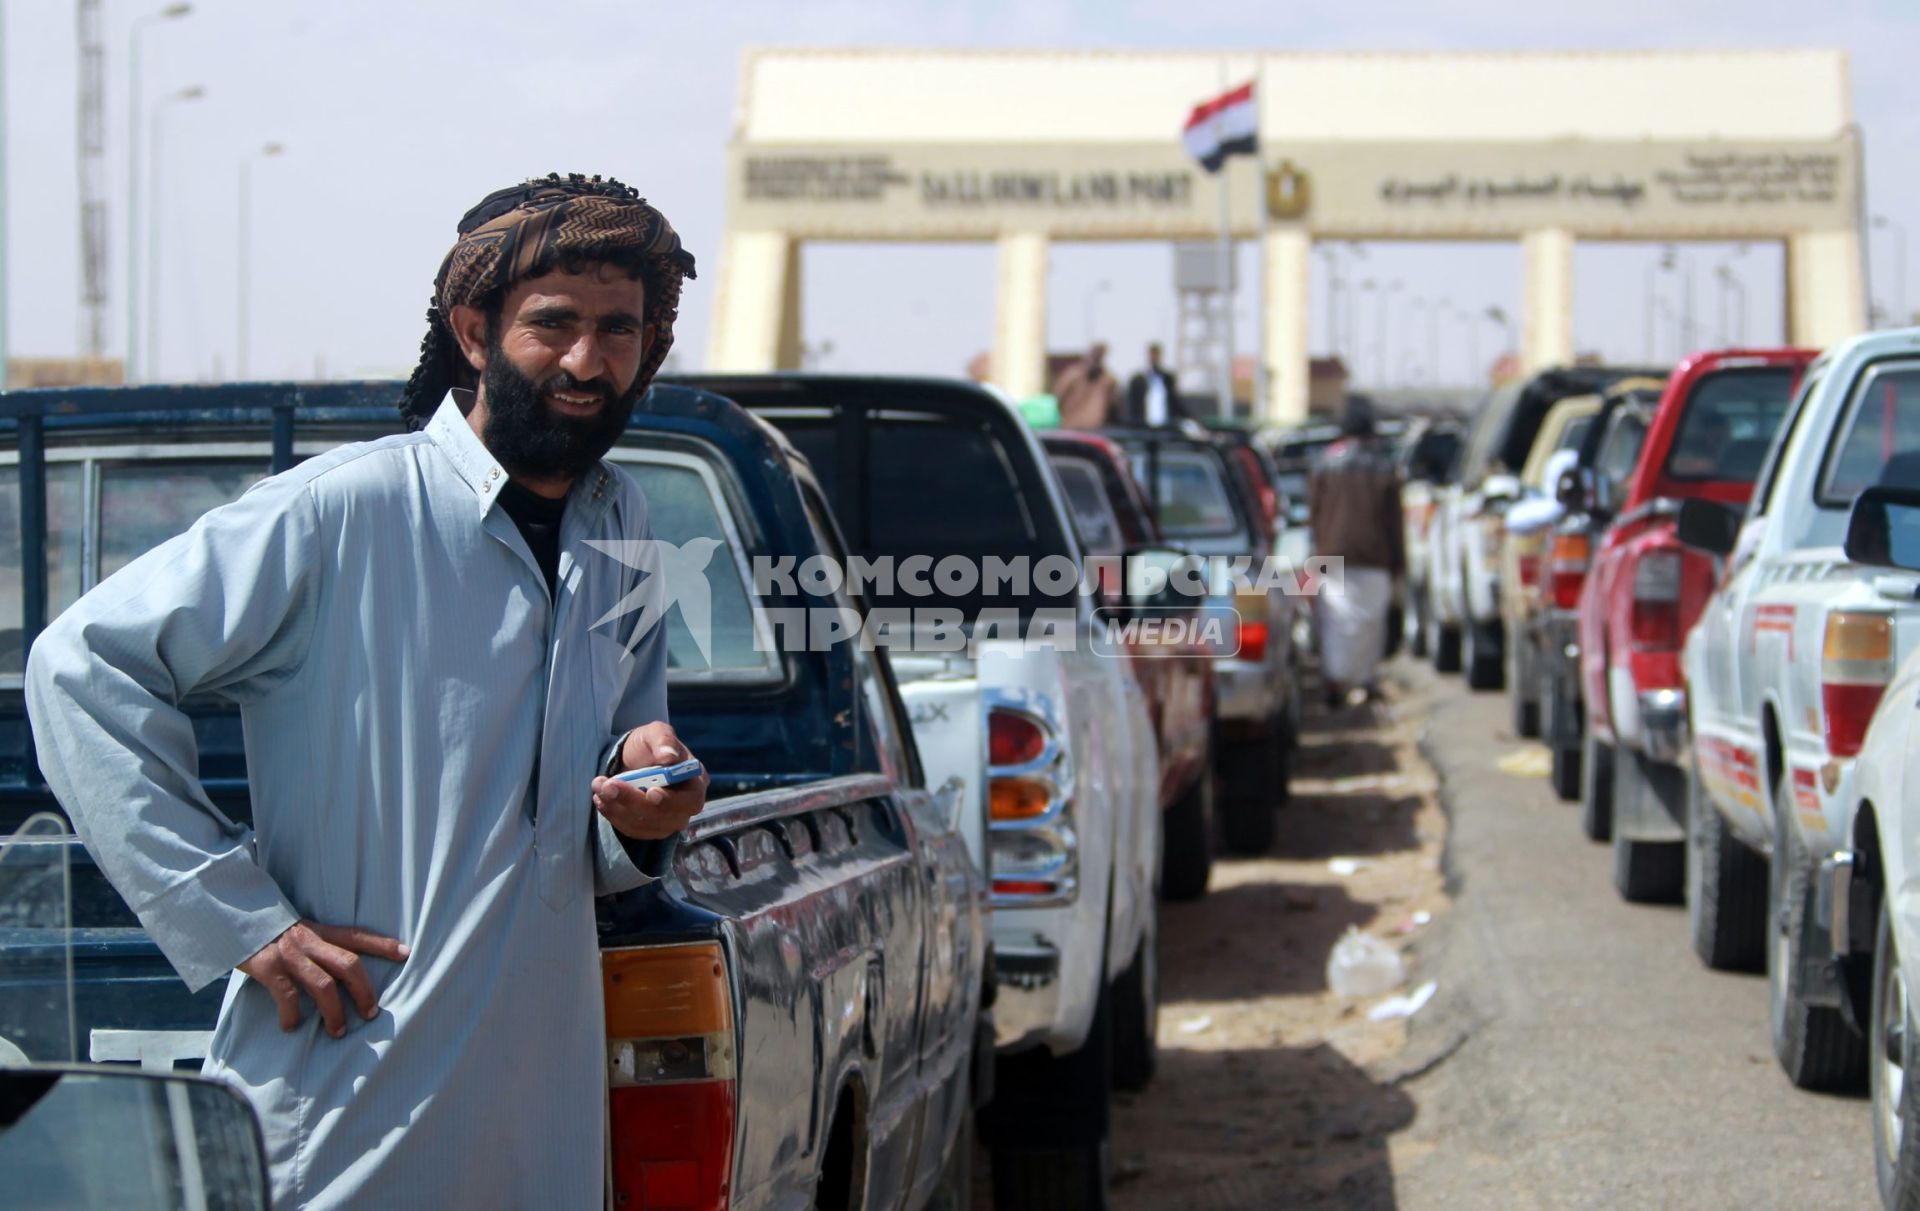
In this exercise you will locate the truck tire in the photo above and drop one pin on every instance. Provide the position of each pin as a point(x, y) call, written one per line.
point(1596, 789)
point(1048, 1126)
point(1186, 854)
point(1645, 872)
point(1892, 1041)
point(1726, 888)
point(1443, 642)
point(1481, 656)
point(1417, 614)
point(1526, 710)
point(1558, 717)
point(1136, 1018)
point(1255, 772)
point(1814, 1044)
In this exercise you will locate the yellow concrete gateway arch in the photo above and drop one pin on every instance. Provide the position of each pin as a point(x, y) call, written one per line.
point(1022, 148)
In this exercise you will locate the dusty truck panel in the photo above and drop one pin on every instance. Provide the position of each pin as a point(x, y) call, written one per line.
point(823, 896)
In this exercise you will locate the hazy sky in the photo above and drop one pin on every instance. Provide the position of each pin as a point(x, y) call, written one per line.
point(398, 116)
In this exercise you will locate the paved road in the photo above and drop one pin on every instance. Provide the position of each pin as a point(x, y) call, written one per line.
point(1602, 1065)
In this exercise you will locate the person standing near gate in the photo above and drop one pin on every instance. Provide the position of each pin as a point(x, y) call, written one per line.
point(1153, 395)
point(1086, 391)
point(1353, 501)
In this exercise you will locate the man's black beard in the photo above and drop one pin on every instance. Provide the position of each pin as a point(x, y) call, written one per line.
point(530, 439)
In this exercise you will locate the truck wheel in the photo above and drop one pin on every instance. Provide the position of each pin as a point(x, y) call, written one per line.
point(1256, 775)
point(1559, 718)
point(1813, 1042)
point(1136, 1017)
point(1596, 789)
point(1186, 855)
point(1417, 615)
point(1645, 872)
point(1526, 710)
point(1726, 888)
point(1896, 1100)
point(1048, 1125)
point(1481, 656)
point(1443, 642)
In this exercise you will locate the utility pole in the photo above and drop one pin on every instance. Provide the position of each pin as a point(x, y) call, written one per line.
point(92, 149)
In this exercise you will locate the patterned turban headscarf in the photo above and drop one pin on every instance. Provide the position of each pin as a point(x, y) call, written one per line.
point(538, 226)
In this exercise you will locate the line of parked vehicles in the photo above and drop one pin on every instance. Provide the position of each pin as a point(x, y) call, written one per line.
point(1701, 589)
point(922, 900)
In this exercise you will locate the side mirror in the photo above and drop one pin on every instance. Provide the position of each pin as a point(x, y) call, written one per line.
point(1500, 487)
point(1576, 491)
point(1163, 580)
point(1707, 525)
point(76, 1135)
point(1884, 528)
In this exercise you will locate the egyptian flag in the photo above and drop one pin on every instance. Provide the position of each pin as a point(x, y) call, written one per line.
point(1225, 126)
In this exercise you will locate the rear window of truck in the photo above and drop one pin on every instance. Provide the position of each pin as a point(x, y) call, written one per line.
point(1878, 441)
point(1191, 494)
point(1729, 423)
point(1093, 516)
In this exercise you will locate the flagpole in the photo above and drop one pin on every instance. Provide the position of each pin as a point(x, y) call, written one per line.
point(1260, 384)
point(1226, 278)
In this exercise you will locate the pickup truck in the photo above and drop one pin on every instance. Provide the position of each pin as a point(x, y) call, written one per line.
point(1206, 508)
point(1783, 671)
point(1864, 903)
point(945, 498)
point(1463, 585)
point(1589, 490)
point(1705, 439)
point(1112, 517)
point(818, 930)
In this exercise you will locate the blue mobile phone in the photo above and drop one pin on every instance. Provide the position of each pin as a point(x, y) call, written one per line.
point(663, 775)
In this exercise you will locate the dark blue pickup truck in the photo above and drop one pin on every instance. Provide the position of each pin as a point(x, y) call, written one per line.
point(794, 1012)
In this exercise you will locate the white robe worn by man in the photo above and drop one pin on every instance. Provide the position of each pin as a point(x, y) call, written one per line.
point(424, 722)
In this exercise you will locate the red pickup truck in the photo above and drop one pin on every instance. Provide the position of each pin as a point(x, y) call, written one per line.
point(1708, 438)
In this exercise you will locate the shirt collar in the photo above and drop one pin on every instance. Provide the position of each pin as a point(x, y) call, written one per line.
point(483, 473)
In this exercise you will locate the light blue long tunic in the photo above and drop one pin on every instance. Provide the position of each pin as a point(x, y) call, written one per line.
point(397, 662)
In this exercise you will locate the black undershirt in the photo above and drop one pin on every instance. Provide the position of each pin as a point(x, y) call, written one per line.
point(539, 522)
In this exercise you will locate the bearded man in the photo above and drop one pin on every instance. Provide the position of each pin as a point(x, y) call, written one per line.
point(410, 629)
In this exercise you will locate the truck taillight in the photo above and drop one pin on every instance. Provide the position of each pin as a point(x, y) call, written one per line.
point(671, 1092)
point(1253, 641)
point(1031, 845)
point(1567, 569)
point(1013, 739)
point(1856, 662)
point(1655, 619)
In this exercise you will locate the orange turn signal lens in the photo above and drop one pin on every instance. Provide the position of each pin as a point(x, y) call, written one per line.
point(655, 992)
point(1018, 798)
point(1856, 635)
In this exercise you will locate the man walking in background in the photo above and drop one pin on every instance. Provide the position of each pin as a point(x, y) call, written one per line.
point(1086, 391)
point(1353, 502)
point(1153, 395)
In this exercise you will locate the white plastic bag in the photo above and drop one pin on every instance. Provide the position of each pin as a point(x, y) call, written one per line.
point(1362, 965)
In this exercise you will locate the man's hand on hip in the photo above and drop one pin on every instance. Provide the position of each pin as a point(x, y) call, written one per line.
point(650, 813)
point(318, 960)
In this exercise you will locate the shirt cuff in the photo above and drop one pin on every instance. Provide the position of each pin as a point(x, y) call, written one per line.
point(614, 869)
point(610, 765)
point(217, 918)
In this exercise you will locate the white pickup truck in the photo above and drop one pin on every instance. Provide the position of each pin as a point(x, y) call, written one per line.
point(1866, 902)
point(1784, 670)
point(1464, 630)
point(1050, 738)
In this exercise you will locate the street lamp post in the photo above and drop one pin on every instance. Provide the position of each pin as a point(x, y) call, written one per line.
point(1386, 305)
point(1499, 316)
point(1732, 331)
point(1369, 287)
point(1662, 265)
point(242, 316)
point(1901, 316)
point(1471, 322)
point(1418, 305)
point(193, 93)
point(170, 13)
